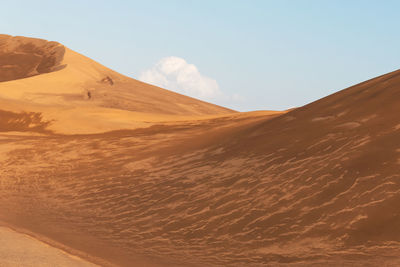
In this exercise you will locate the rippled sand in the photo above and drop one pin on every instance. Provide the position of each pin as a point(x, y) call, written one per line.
point(317, 186)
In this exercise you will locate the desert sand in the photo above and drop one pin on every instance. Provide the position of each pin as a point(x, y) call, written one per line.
point(81, 96)
point(129, 178)
point(18, 250)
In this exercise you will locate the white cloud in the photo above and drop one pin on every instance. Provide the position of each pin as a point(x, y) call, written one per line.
point(174, 73)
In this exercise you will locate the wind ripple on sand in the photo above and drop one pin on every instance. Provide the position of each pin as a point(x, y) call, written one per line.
point(285, 208)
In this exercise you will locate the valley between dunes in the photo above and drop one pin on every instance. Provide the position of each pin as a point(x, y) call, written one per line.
point(122, 173)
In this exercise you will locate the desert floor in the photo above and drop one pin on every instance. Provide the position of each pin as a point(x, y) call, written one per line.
point(20, 250)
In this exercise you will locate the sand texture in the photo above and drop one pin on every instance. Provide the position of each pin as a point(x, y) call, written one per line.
point(316, 186)
point(18, 250)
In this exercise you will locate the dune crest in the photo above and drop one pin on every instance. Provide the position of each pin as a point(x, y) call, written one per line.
point(22, 57)
point(41, 76)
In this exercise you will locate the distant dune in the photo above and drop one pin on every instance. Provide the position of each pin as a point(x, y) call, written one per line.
point(195, 184)
point(46, 77)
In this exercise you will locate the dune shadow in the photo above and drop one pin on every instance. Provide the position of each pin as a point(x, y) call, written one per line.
point(26, 57)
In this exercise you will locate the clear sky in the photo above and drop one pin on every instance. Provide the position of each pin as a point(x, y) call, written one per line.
point(247, 55)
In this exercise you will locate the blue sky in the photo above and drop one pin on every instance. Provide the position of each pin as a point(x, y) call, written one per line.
point(252, 54)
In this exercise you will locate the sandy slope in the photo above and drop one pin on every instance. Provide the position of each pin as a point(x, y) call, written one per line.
point(316, 186)
point(18, 250)
point(78, 95)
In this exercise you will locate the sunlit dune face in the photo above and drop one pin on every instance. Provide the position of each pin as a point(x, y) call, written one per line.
point(135, 175)
point(25, 57)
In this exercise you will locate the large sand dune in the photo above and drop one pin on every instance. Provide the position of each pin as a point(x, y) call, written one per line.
point(79, 95)
point(319, 185)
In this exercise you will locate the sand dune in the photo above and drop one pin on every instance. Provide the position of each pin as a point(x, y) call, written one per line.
point(63, 85)
point(318, 185)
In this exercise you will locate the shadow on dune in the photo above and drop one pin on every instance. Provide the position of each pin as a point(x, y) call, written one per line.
point(22, 57)
point(23, 122)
